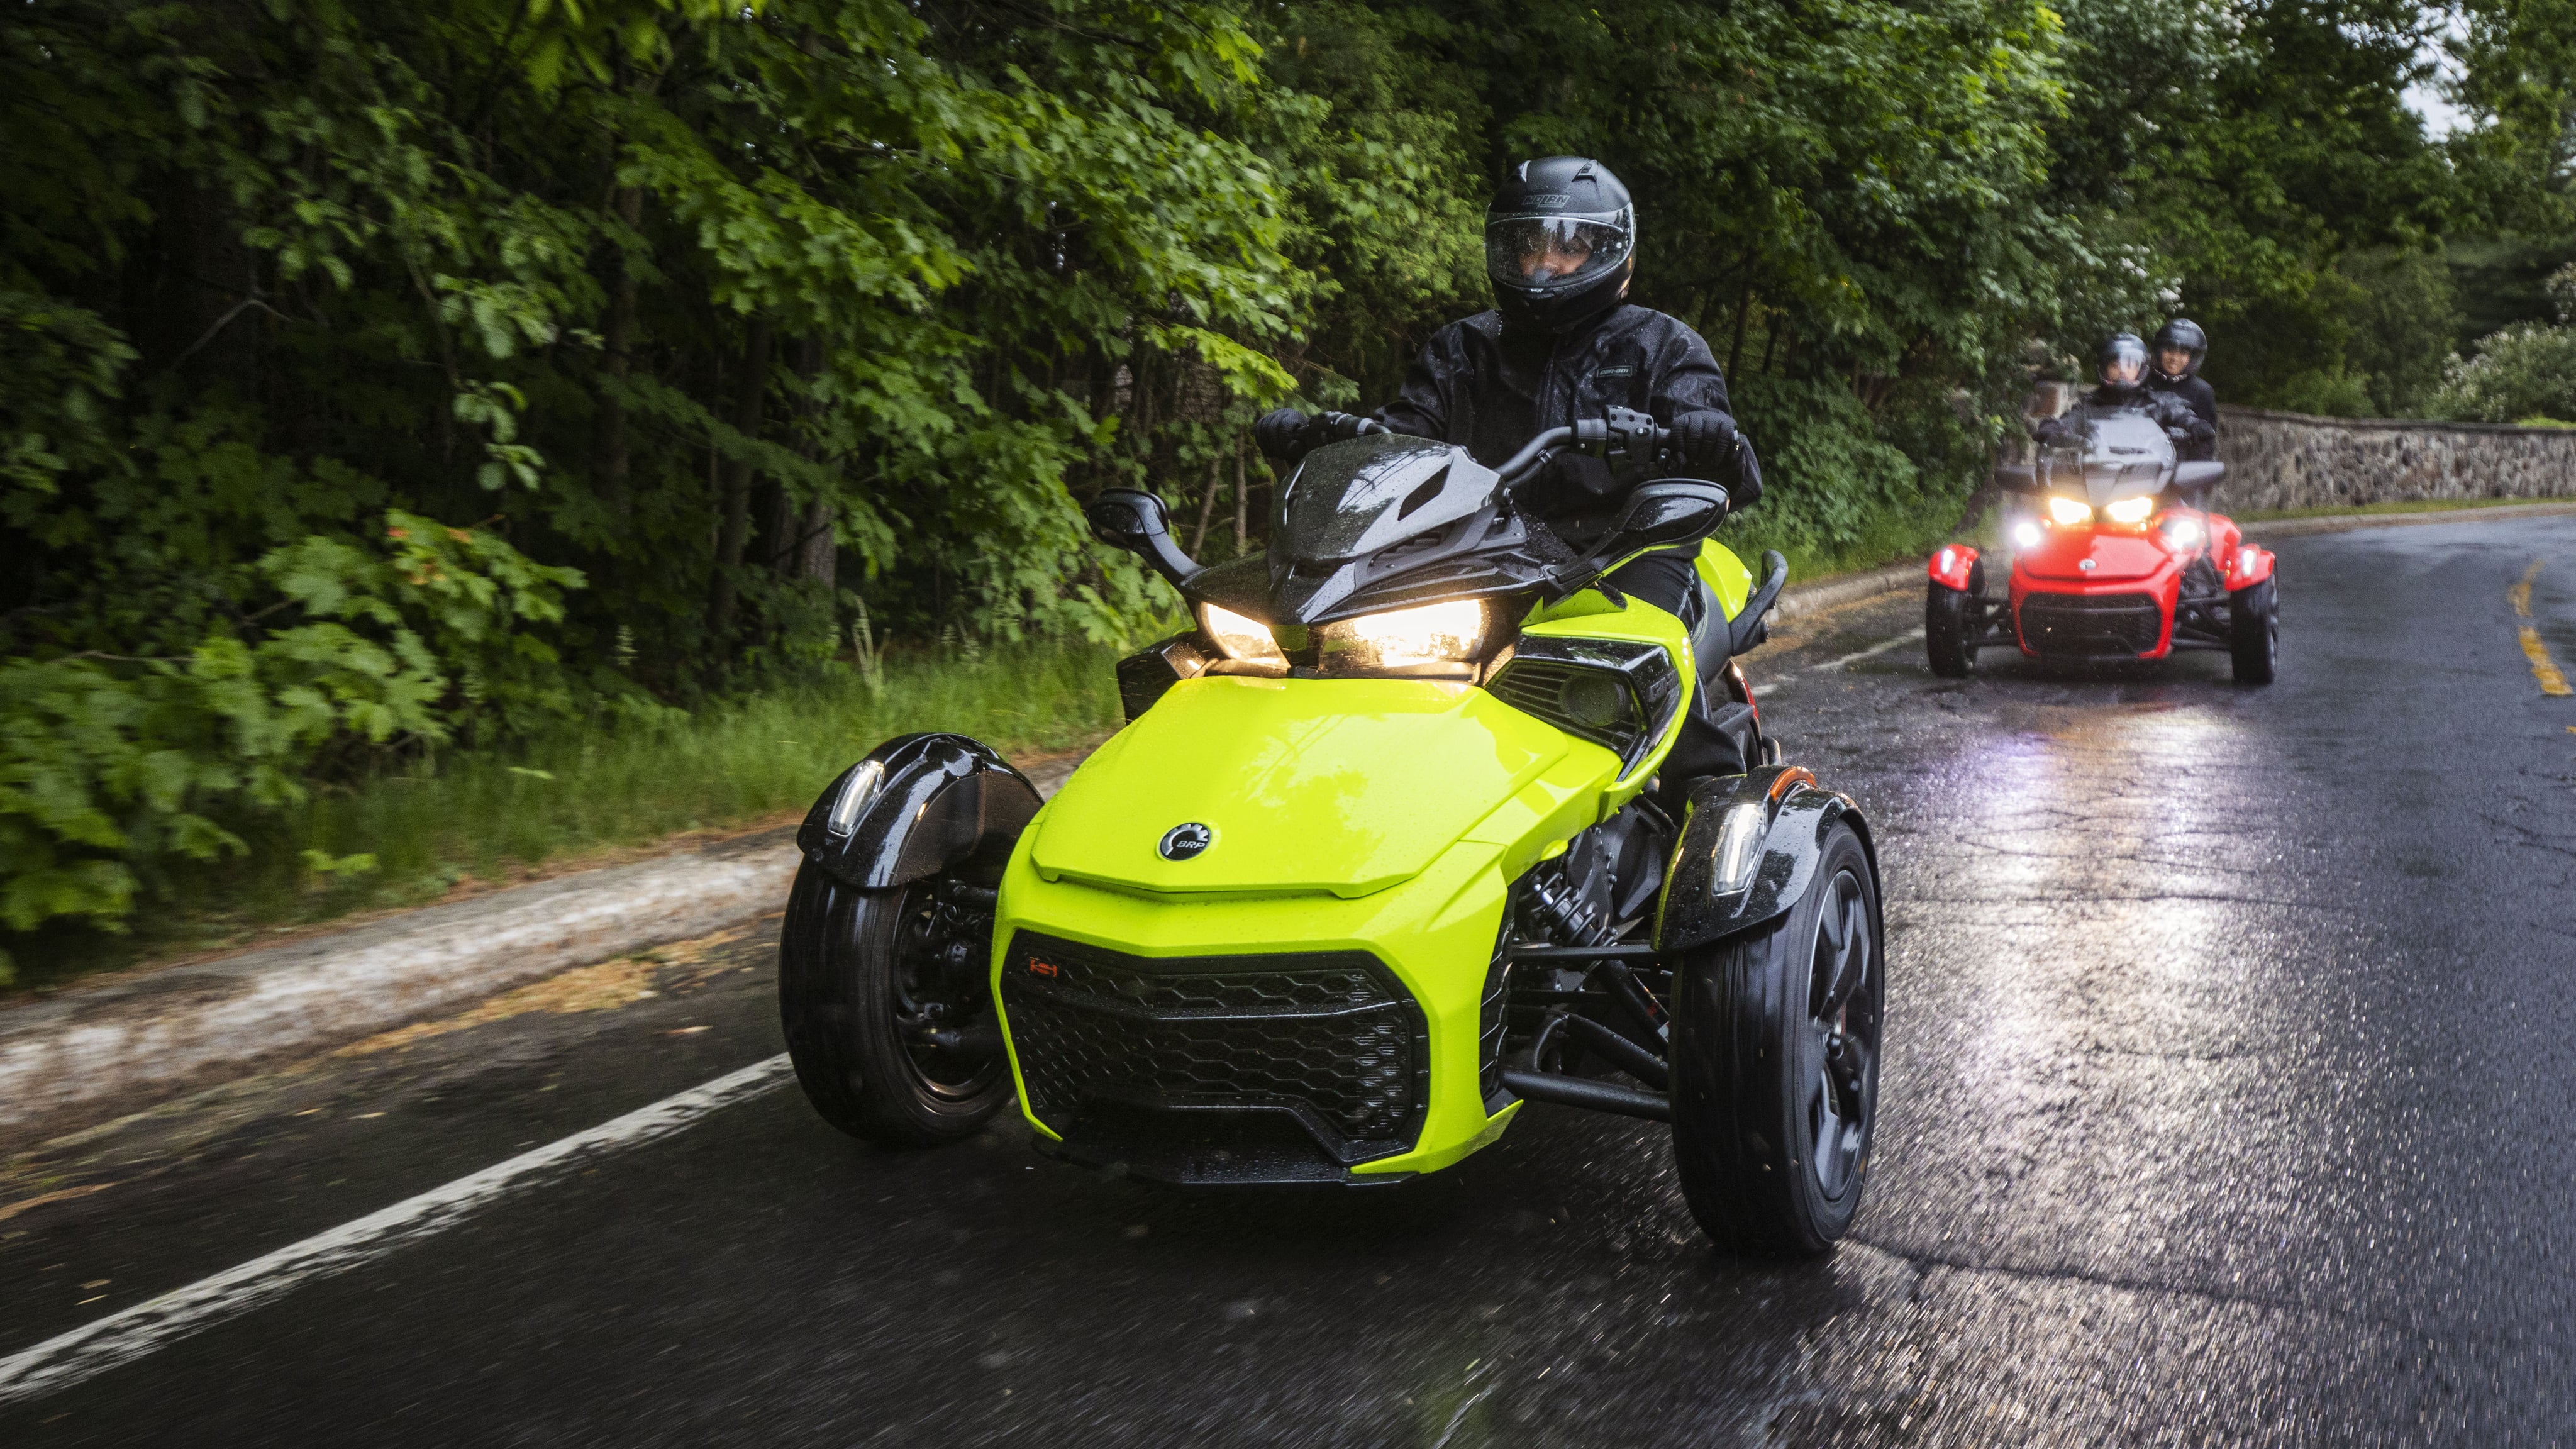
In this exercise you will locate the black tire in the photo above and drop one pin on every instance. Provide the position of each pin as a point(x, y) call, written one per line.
point(1753, 1039)
point(2254, 632)
point(860, 975)
point(1950, 622)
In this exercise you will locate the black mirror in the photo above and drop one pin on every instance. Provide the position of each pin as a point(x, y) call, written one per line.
point(1137, 522)
point(2017, 478)
point(1665, 512)
point(1125, 518)
point(2198, 475)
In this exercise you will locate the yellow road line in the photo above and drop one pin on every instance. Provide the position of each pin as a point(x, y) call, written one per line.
point(2543, 668)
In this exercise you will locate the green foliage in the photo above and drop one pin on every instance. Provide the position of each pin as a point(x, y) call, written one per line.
point(2523, 374)
point(111, 764)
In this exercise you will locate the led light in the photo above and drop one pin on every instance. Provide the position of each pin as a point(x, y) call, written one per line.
point(2245, 560)
point(2130, 510)
point(2026, 534)
point(2184, 532)
point(1739, 848)
point(856, 792)
point(2068, 513)
point(1447, 633)
point(1949, 559)
point(1239, 637)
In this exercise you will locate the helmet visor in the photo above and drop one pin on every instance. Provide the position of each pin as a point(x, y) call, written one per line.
point(1552, 251)
point(2124, 362)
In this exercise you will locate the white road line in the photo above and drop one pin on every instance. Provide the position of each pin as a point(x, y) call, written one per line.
point(1881, 647)
point(67, 1359)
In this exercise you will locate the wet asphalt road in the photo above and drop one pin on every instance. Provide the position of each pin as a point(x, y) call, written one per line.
point(2229, 1100)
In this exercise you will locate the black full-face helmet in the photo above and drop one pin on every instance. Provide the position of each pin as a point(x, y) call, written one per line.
point(2121, 365)
point(1560, 242)
point(2180, 335)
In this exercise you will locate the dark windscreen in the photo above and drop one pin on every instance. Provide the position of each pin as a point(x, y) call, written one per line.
point(1355, 497)
point(2114, 453)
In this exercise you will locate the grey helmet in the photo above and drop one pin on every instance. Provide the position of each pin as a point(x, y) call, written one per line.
point(2121, 365)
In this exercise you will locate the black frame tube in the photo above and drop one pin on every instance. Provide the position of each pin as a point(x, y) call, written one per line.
point(1582, 1092)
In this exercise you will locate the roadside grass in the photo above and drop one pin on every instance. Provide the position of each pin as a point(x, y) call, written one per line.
point(439, 824)
point(2427, 505)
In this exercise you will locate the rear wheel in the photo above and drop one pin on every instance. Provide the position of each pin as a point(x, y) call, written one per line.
point(864, 978)
point(1951, 620)
point(2254, 632)
point(1775, 1067)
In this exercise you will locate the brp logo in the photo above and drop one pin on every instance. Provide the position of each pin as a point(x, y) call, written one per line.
point(1184, 842)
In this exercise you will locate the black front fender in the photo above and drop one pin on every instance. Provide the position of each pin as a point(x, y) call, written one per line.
point(1797, 815)
point(920, 804)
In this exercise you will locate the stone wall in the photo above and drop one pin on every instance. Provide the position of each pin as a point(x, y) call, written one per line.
point(2291, 460)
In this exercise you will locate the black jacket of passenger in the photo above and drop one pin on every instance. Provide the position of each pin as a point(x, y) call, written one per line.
point(2195, 394)
point(1492, 388)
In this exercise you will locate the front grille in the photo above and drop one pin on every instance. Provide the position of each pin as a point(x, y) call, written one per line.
point(2091, 624)
point(1331, 1038)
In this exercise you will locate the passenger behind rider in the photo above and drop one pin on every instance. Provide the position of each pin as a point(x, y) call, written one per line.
point(1561, 344)
point(2179, 346)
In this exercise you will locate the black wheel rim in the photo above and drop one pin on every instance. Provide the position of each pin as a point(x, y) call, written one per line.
point(933, 988)
point(1841, 1089)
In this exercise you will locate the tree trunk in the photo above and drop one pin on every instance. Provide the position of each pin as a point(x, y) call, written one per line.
point(1242, 514)
point(1735, 354)
point(617, 335)
point(804, 547)
point(1207, 510)
point(737, 485)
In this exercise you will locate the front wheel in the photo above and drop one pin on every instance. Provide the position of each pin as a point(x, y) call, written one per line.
point(1775, 1055)
point(1950, 623)
point(2254, 632)
point(864, 979)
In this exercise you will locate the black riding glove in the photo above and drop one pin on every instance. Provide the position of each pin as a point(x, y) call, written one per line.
point(1285, 434)
point(1707, 439)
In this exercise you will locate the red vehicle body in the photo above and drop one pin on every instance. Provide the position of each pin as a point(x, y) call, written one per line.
point(2088, 586)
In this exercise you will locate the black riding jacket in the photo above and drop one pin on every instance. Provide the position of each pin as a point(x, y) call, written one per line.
point(2193, 393)
point(1491, 388)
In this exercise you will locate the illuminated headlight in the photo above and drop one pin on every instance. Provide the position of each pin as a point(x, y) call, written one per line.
point(1451, 634)
point(1739, 848)
point(1237, 637)
point(2184, 532)
point(2130, 510)
point(856, 792)
point(2026, 534)
point(2067, 513)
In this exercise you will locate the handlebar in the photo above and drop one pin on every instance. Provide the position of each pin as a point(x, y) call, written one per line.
point(1621, 428)
point(1522, 462)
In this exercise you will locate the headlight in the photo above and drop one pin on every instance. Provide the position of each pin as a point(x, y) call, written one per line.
point(1450, 634)
point(2184, 532)
point(1238, 637)
point(2068, 513)
point(2130, 510)
point(2026, 534)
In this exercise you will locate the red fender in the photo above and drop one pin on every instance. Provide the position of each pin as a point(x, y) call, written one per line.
point(1949, 568)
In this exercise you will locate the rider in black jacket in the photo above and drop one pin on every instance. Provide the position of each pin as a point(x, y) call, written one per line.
point(1563, 344)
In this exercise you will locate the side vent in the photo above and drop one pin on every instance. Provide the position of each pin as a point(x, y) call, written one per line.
point(1619, 695)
